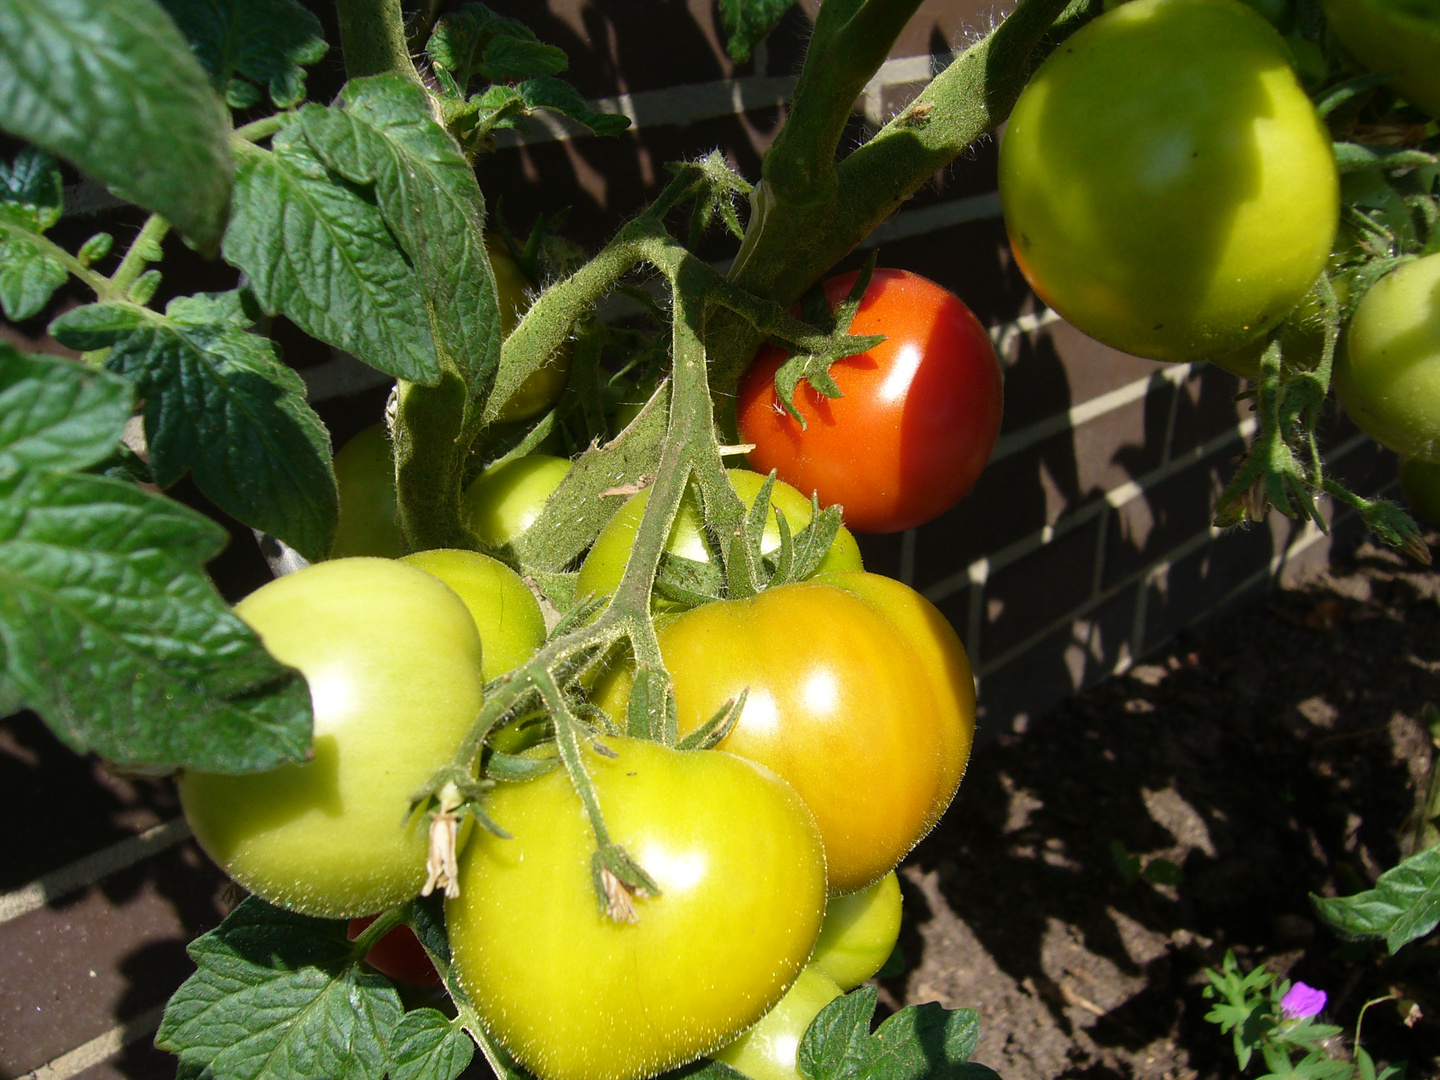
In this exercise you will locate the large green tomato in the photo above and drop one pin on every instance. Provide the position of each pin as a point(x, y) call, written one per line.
point(544, 386)
point(605, 564)
point(365, 480)
point(858, 693)
point(393, 662)
point(576, 995)
point(1388, 375)
point(859, 933)
point(504, 500)
point(767, 1051)
point(1399, 36)
point(1167, 185)
point(505, 612)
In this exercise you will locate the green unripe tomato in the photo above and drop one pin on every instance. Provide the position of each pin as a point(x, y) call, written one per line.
point(1400, 36)
point(504, 501)
point(1388, 375)
point(603, 567)
point(505, 611)
point(859, 933)
point(393, 662)
point(1167, 184)
point(365, 479)
point(1420, 482)
point(575, 994)
point(545, 385)
point(767, 1050)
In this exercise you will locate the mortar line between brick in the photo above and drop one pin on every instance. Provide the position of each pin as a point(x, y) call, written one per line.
point(91, 868)
point(1113, 499)
point(1297, 546)
point(101, 1048)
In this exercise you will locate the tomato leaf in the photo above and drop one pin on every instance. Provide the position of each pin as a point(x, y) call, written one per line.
point(384, 135)
point(109, 628)
point(219, 403)
point(279, 995)
point(104, 83)
point(428, 1046)
point(748, 22)
point(318, 250)
point(473, 42)
point(30, 203)
point(1403, 906)
point(250, 46)
point(920, 1042)
point(503, 106)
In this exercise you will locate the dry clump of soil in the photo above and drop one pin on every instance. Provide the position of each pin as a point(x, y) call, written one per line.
point(1270, 753)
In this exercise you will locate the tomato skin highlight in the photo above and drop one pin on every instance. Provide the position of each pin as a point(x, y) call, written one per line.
point(767, 1050)
point(393, 660)
point(919, 416)
point(869, 713)
point(575, 995)
point(1387, 376)
point(1167, 185)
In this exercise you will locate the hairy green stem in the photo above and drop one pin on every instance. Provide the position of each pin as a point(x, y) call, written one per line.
point(372, 39)
point(144, 250)
point(97, 282)
point(383, 924)
point(431, 447)
point(263, 128)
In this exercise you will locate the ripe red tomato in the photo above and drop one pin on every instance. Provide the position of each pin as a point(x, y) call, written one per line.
point(398, 954)
point(918, 419)
point(575, 995)
point(859, 695)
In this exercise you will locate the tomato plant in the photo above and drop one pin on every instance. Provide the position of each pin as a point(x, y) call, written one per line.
point(860, 696)
point(1167, 185)
point(918, 418)
point(1388, 374)
point(767, 1050)
point(575, 995)
point(393, 661)
point(504, 501)
point(505, 611)
point(543, 387)
point(1399, 37)
point(605, 562)
point(859, 933)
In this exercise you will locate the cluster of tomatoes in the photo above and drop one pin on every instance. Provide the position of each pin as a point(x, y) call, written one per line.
point(770, 857)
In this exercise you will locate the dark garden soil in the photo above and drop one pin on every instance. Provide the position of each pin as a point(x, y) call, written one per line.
point(1271, 753)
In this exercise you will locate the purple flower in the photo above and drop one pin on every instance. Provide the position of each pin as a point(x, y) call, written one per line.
point(1301, 1001)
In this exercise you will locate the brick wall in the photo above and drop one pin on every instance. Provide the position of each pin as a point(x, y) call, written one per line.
point(1085, 545)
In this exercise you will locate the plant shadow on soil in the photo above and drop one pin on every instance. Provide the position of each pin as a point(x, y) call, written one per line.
point(1271, 753)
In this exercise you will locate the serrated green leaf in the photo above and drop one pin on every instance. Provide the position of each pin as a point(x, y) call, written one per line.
point(318, 252)
point(104, 83)
point(221, 405)
point(837, 1045)
point(30, 202)
point(267, 42)
point(428, 1046)
point(278, 996)
point(926, 1042)
point(704, 1070)
point(473, 42)
point(506, 106)
point(56, 415)
point(1403, 906)
point(109, 628)
point(383, 134)
point(748, 22)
